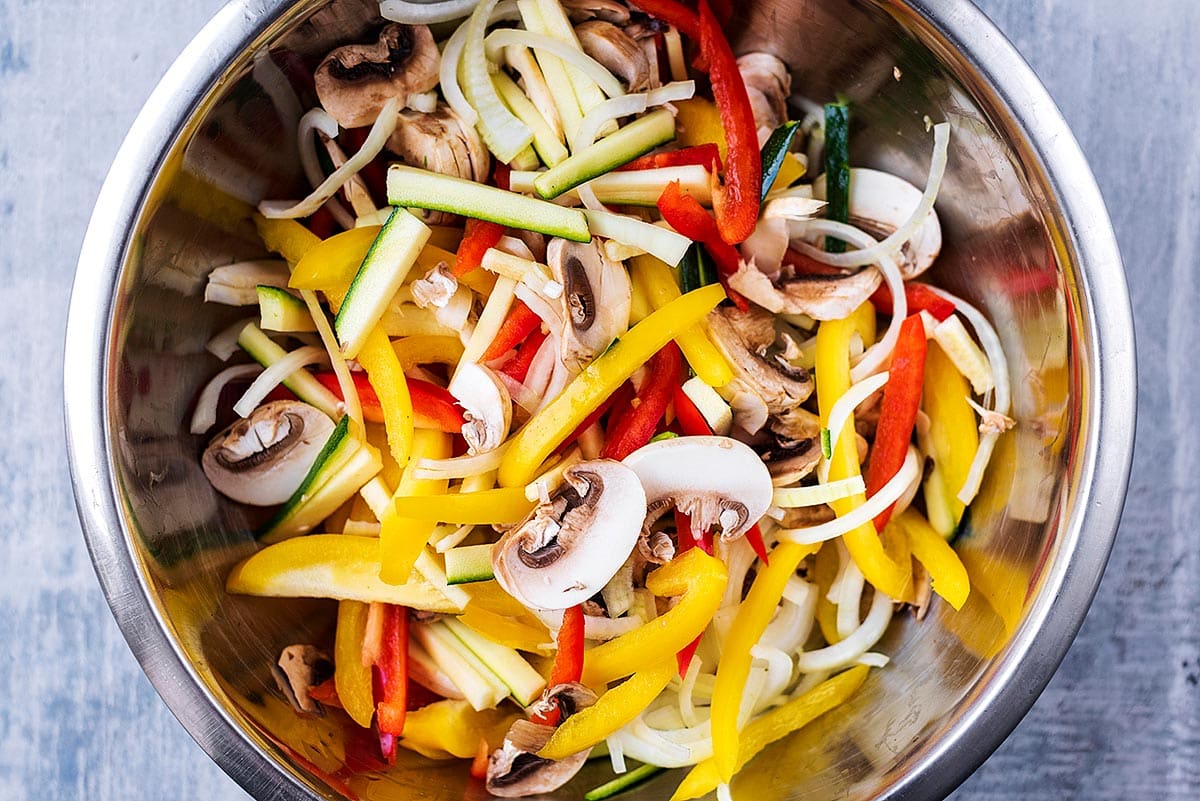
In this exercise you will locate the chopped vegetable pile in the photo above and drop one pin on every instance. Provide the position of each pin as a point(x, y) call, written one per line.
point(604, 421)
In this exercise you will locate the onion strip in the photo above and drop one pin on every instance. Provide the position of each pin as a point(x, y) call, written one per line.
point(205, 414)
point(888, 494)
point(459, 466)
point(340, 368)
point(855, 645)
point(277, 373)
point(512, 37)
point(425, 13)
point(319, 121)
point(843, 408)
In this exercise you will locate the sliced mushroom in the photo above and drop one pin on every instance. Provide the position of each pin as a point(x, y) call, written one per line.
point(567, 698)
point(439, 141)
point(879, 204)
point(617, 51)
point(747, 339)
point(435, 288)
point(515, 770)
point(822, 297)
point(768, 85)
point(300, 668)
point(789, 460)
point(354, 82)
point(717, 481)
point(262, 459)
point(607, 10)
point(486, 404)
point(596, 298)
point(572, 545)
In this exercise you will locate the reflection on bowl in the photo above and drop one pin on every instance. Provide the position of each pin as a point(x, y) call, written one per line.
point(1026, 238)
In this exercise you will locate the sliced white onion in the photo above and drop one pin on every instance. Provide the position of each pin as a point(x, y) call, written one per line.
point(662, 243)
point(557, 383)
point(448, 76)
point(847, 592)
point(251, 273)
point(502, 131)
point(490, 320)
point(452, 540)
point(675, 53)
point(424, 102)
point(277, 373)
point(425, 13)
point(330, 343)
point(459, 466)
point(519, 393)
point(225, 343)
point(873, 659)
point(616, 755)
point(855, 645)
point(550, 316)
point(891, 245)
point(792, 625)
point(792, 208)
point(541, 369)
point(766, 246)
point(205, 414)
point(229, 295)
point(687, 689)
point(888, 494)
point(319, 121)
point(843, 408)
point(603, 114)
point(587, 196)
point(603, 629)
point(384, 125)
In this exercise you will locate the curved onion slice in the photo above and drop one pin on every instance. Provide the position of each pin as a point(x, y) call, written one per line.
point(853, 646)
point(318, 120)
point(206, 405)
point(277, 373)
point(410, 13)
point(575, 57)
point(843, 408)
point(505, 135)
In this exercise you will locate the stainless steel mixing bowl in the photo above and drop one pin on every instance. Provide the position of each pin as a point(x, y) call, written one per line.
point(1027, 238)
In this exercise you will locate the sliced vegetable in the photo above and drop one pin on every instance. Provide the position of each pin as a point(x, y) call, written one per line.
point(264, 351)
point(337, 566)
point(623, 782)
point(411, 187)
point(282, 311)
point(351, 676)
point(898, 410)
point(946, 570)
point(504, 134)
point(568, 660)
point(710, 404)
point(469, 563)
point(520, 323)
point(706, 155)
point(837, 169)
point(393, 672)
point(775, 153)
point(637, 425)
point(480, 237)
point(920, 298)
point(500, 507)
point(638, 137)
point(401, 539)
point(383, 270)
point(549, 147)
point(537, 440)
point(952, 442)
point(507, 665)
point(433, 407)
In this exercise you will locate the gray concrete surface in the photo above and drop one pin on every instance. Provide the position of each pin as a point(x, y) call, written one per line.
point(79, 720)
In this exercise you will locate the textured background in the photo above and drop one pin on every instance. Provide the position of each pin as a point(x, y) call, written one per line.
point(79, 720)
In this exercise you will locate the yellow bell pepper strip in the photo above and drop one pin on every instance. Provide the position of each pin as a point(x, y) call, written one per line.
point(427, 349)
point(546, 429)
point(662, 288)
point(391, 388)
point(772, 726)
point(614, 709)
point(825, 570)
point(507, 631)
point(334, 262)
point(337, 566)
point(946, 570)
point(402, 539)
point(698, 122)
point(748, 626)
point(288, 238)
point(452, 729)
point(700, 579)
point(953, 439)
point(833, 379)
point(497, 506)
point(350, 676)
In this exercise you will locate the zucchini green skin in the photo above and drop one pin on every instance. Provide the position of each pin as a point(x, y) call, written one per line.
point(635, 139)
point(410, 187)
point(626, 781)
point(837, 169)
point(264, 351)
point(468, 564)
point(774, 151)
point(282, 311)
point(696, 270)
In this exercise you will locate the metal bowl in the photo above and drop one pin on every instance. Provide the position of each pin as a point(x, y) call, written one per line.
point(1027, 238)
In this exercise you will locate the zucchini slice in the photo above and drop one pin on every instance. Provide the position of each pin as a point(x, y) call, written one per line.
point(468, 564)
point(635, 139)
point(282, 311)
point(308, 389)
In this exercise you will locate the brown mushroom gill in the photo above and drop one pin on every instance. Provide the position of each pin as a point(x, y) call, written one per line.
point(595, 302)
point(355, 81)
point(515, 770)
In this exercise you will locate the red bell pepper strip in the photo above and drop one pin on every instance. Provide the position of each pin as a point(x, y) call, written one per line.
point(374, 174)
point(693, 424)
point(392, 708)
point(920, 297)
point(480, 236)
point(520, 323)
point(618, 403)
point(322, 223)
point(673, 13)
point(706, 155)
point(326, 693)
point(479, 764)
point(501, 176)
point(618, 399)
point(640, 422)
point(804, 264)
point(568, 660)
point(685, 214)
point(737, 202)
point(433, 407)
point(517, 368)
point(898, 410)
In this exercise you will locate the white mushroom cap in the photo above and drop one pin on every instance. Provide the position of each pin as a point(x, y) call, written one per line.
point(262, 459)
point(571, 546)
point(717, 481)
point(487, 405)
point(597, 297)
point(880, 203)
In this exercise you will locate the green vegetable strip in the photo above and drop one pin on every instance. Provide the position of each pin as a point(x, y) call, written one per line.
point(774, 152)
point(626, 781)
point(695, 270)
point(837, 169)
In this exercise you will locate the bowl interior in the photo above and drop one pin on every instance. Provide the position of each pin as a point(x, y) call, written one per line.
point(1004, 250)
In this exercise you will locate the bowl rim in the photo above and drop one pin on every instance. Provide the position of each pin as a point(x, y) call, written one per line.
point(1010, 685)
